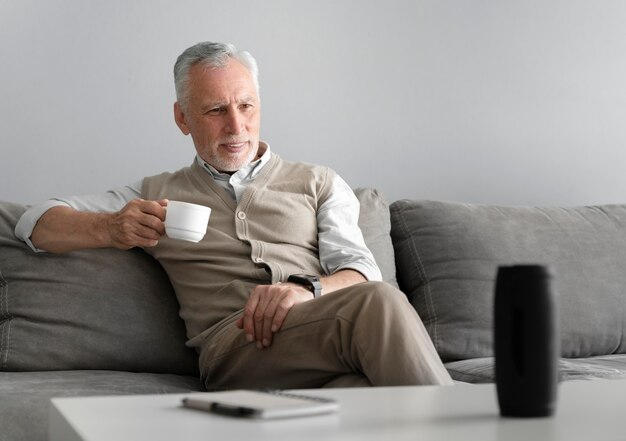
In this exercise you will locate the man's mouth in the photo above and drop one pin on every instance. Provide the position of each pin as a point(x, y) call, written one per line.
point(234, 146)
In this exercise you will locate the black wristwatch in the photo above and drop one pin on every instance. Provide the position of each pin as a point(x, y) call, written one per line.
point(312, 283)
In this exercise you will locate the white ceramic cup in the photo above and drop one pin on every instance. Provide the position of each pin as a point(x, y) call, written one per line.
point(185, 221)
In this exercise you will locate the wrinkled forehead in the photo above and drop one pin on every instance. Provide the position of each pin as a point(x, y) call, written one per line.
point(231, 79)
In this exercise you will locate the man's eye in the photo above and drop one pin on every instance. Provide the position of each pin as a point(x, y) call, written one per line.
point(215, 111)
point(246, 106)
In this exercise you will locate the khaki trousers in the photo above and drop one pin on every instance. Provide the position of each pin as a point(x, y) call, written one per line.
point(366, 334)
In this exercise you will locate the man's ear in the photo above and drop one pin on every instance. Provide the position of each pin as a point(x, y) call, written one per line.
point(179, 117)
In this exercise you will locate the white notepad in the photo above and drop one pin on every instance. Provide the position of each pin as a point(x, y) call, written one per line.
point(256, 404)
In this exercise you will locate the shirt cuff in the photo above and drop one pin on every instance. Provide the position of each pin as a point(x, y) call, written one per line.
point(26, 224)
point(371, 273)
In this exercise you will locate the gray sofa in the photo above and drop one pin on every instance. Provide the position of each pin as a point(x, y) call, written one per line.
point(103, 322)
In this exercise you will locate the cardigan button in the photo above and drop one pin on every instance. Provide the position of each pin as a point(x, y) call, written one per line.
point(241, 215)
point(258, 259)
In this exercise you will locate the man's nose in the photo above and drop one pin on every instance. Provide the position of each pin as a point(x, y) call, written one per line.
point(234, 122)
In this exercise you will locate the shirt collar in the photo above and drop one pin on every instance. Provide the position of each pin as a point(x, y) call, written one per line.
point(248, 172)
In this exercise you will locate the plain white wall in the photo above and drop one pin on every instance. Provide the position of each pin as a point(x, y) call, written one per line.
point(509, 102)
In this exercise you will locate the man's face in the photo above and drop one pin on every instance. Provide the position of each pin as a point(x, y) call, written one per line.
point(222, 114)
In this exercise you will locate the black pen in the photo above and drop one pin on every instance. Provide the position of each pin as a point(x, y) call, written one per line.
point(220, 408)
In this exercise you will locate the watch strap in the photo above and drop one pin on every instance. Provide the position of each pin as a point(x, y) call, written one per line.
point(311, 282)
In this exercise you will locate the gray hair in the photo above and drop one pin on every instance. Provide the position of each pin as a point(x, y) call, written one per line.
point(213, 55)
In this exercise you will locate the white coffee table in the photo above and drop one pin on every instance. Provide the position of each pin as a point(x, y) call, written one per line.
point(589, 410)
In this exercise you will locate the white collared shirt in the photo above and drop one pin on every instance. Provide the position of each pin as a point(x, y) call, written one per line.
point(236, 183)
point(340, 240)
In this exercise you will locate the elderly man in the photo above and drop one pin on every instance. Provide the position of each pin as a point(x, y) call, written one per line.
point(282, 291)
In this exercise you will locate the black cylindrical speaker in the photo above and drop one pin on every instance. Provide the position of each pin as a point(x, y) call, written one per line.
point(526, 341)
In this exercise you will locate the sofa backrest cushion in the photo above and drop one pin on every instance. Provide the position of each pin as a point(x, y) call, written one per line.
point(375, 223)
point(94, 309)
point(447, 255)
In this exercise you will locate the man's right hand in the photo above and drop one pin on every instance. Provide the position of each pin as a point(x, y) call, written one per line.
point(138, 224)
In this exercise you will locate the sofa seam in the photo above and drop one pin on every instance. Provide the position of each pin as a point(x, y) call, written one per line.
point(423, 276)
point(4, 312)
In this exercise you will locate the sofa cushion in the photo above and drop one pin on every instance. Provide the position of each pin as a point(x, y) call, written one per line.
point(92, 309)
point(26, 395)
point(448, 253)
point(482, 370)
point(375, 223)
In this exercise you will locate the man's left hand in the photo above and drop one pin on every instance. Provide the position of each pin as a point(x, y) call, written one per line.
point(267, 309)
